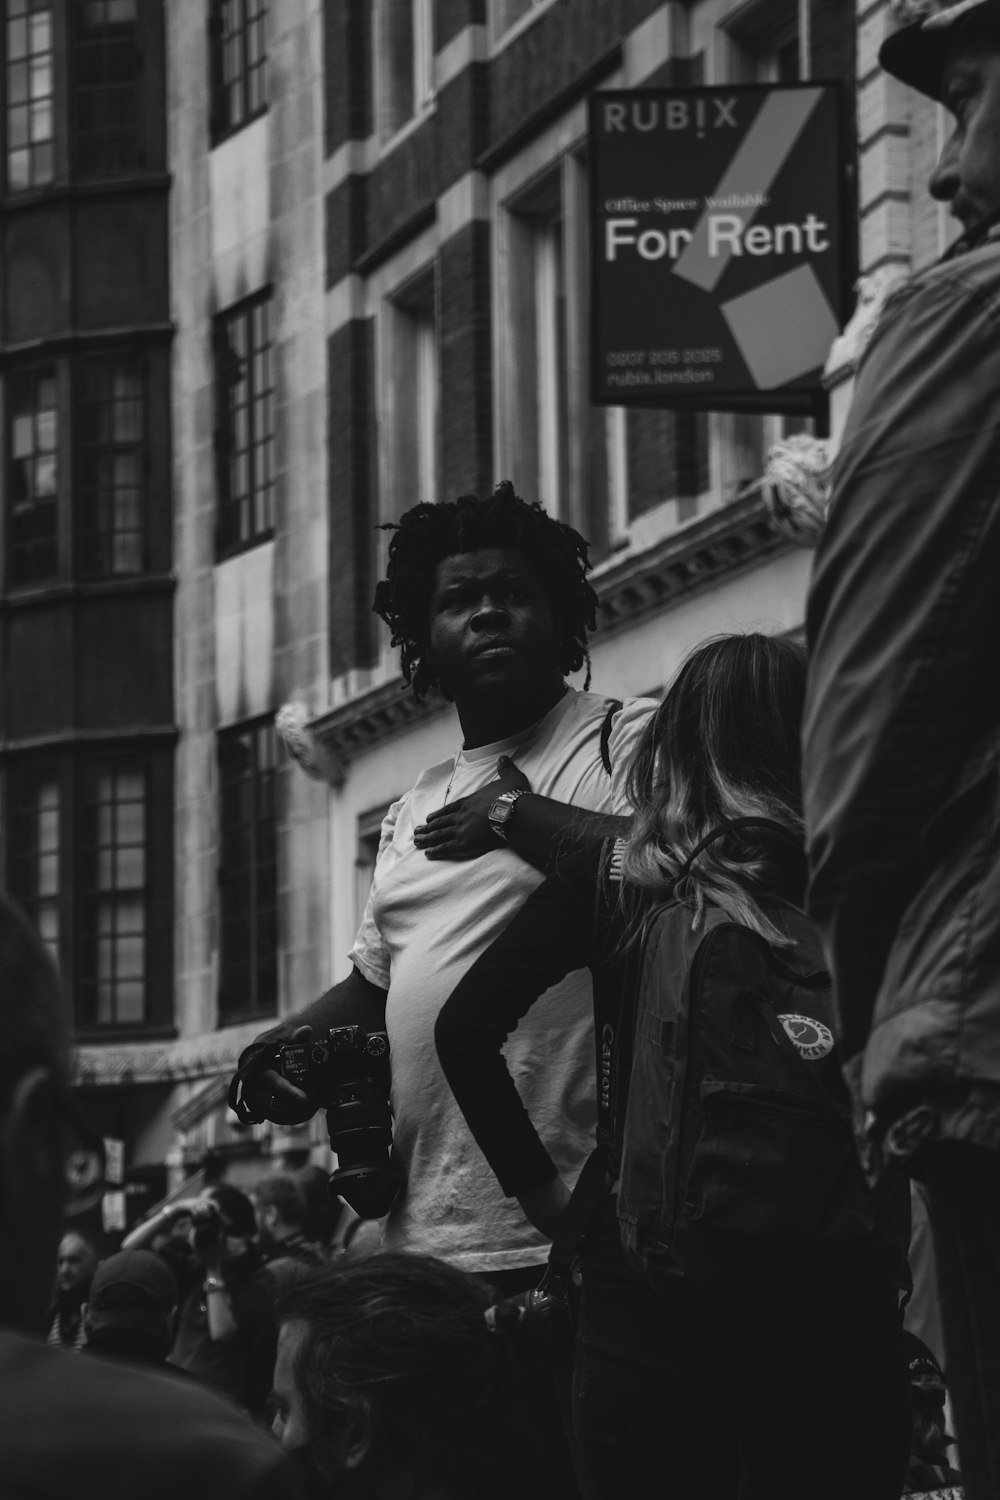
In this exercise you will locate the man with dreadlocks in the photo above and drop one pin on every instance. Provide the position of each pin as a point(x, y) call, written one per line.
point(489, 604)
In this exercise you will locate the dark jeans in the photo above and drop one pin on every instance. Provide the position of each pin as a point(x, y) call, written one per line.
point(670, 1401)
point(963, 1188)
point(546, 1377)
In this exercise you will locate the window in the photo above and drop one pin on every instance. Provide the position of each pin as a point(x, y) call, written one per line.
point(89, 857)
point(114, 892)
point(106, 134)
point(248, 872)
point(34, 852)
point(33, 519)
point(245, 383)
point(666, 459)
point(110, 427)
point(28, 42)
point(239, 64)
point(764, 43)
point(537, 285)
point(405, 52)
point(411, 396)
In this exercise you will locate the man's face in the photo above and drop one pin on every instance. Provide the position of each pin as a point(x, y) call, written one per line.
point(491, 625)
point(968, 173)
point(267, 1217)
point(289, 1425)
point(75, 1264)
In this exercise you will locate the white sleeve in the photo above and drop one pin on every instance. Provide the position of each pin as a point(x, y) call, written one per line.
point(626, 727)
point(369, 954)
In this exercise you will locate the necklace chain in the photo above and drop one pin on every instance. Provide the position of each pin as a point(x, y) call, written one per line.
point(510, 753)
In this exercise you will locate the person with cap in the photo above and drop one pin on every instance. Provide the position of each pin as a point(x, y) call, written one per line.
point(902, 724)
point(132, 1308)
point(74, 1426)
point(226, 1334)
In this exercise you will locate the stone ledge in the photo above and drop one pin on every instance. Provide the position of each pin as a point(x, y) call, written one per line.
point(719, 544)
point(182, 1060)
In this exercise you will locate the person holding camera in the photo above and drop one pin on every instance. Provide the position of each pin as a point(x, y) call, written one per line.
point(489, 602)
point(226, 1333)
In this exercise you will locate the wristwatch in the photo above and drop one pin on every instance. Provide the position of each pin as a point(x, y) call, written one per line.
point(502, 810)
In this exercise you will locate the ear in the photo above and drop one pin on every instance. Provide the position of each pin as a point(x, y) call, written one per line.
point(358, 1439)
point(32, 1195)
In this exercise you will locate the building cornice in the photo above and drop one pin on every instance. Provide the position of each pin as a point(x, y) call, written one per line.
point(181, 1060)
point(376, 715)
point(736, 536)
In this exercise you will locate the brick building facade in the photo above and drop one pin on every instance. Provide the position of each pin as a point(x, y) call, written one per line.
point(359, 259)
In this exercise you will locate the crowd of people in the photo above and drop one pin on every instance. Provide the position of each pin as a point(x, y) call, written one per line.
point(680, 996)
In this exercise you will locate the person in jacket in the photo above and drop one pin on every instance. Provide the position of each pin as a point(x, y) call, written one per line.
point(226, 1334)
point(75, 1267)
point(131, 1310)
point(691, 1390)
point(902, 724)
point(68, 1425)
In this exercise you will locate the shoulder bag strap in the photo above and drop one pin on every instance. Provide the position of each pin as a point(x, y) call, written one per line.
point(606, 735)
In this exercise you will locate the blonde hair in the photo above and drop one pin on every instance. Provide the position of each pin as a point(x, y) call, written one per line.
point(723, 745)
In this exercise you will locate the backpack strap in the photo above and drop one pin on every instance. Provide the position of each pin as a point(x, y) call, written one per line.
point(606, 735)
point(727, 827)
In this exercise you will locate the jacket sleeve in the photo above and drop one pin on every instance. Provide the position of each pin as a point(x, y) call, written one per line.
point(550, 937)
point(902, 619)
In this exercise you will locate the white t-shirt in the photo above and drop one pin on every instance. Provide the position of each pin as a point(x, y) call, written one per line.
point(425, 924)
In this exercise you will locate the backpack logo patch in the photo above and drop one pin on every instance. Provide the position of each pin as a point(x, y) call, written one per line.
point(809, 1037)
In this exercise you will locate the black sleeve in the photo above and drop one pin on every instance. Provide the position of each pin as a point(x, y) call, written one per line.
point(550, 936)
point(257, 1332)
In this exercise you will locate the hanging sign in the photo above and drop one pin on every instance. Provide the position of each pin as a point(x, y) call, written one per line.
point(719, 269)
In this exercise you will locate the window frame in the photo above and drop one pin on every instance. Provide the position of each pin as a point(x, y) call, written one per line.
point(230, 540)
point(83, 425)
point(36, 370)
point(389, 127)
point(133, 134)
point(221, 124)
point(33, 184)
point(71, 770)
point(230, 1013)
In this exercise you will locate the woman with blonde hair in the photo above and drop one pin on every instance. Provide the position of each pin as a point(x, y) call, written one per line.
point(788, 1379)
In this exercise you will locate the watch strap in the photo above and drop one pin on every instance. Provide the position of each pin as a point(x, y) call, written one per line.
point(508, 798)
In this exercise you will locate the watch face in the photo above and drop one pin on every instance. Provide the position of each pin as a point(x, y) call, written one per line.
point(500, 811)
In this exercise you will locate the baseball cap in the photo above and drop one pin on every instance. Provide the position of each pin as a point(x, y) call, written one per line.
point(132, 1281)
point(917, 53)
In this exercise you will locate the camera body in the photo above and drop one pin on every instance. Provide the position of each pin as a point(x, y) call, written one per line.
point(346, 1072)
point(207, 1226)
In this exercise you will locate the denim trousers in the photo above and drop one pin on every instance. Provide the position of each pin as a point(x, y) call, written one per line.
point(672, 1402)
point(963, 1189)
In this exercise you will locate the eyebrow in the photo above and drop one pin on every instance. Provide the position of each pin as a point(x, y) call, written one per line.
point(501, 575)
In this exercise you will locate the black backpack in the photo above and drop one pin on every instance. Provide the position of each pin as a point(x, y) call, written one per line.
point(737, 1146)
point(724, 1116)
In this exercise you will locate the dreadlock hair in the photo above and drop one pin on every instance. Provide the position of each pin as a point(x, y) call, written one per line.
point(427, 534)
point(397, 1350)
point(723, 744)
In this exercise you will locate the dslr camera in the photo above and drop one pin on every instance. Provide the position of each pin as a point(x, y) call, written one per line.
point(206, 1222)
point(346, 1072)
